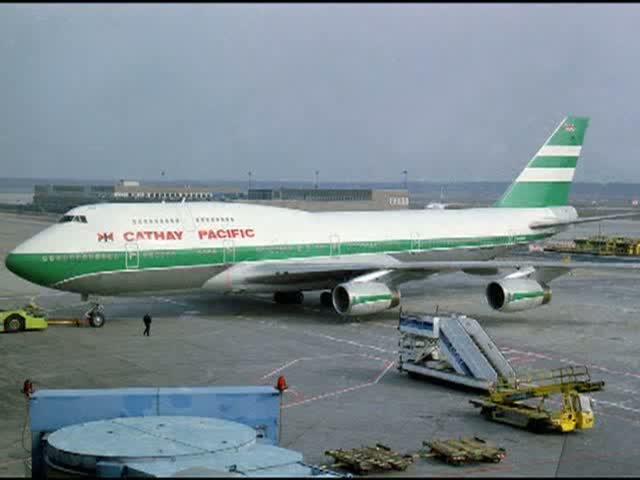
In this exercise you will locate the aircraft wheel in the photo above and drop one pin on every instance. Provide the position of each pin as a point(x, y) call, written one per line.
point(14, 323)
point(96, 319)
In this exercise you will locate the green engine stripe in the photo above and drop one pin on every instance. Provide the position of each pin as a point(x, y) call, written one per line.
point(553, 162)
point(370, 298)
point(535, 195)
point(521, 296)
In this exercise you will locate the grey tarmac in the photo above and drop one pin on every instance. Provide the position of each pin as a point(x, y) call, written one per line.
point(344, 388)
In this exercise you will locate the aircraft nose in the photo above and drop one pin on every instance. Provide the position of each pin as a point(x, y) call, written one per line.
point(26, 266)
point(13, 264)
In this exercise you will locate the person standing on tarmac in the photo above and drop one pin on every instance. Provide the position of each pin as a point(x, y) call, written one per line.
point(147, 324)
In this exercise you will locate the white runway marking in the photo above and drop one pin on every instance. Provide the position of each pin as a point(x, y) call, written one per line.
point(331, 338)
point(593, 366)
point(37, 295)
point(615, 404)
point(349, 342)
point(168, 300)
point(344, 390)
point(279, 369)
point(319, 357)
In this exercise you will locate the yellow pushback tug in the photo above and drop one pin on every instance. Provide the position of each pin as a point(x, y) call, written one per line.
point(506, 400)
point(28, 317)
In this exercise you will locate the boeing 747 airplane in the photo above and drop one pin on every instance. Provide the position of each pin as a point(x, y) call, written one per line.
point(359, 258)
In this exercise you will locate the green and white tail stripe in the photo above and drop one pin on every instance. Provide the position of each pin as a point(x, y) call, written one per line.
point(546, 180)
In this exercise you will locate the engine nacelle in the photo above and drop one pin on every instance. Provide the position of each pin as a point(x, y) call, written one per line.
point(364, 298)
point(513, 295)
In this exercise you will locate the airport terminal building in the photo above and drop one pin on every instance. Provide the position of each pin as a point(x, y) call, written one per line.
point(315, 199)
point(60, 198)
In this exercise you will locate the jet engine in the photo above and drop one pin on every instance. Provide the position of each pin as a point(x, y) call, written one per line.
point(513, 295)
point(363, 298)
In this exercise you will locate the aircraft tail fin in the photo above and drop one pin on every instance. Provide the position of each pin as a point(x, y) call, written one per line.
point(546, 179)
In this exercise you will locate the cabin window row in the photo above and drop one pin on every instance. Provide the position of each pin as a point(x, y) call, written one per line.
point(363, 244)
point(79, 257)
point(283, 248)
point(159, 253)
point(214, 219)
point(146, 221)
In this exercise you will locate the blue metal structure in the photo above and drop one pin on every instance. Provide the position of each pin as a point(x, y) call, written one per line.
point(257, 407)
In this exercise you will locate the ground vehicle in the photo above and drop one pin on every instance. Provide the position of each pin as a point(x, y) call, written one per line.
point(27, 318)
point(505, 402)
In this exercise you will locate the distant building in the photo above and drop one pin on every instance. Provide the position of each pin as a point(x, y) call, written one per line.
point(127, 189)
point(60, 198)
point(315, 199)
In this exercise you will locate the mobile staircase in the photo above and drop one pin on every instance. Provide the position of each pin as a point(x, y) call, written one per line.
point(450, 347)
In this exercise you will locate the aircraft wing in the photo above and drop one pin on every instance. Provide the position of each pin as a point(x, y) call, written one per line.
point(386, 267)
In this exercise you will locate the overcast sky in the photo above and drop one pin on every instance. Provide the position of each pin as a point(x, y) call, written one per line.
point(359, 92)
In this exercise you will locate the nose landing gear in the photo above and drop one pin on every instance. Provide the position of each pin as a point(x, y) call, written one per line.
point(95, 316)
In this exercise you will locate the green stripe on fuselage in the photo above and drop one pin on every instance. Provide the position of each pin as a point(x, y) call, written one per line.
point(51, 269)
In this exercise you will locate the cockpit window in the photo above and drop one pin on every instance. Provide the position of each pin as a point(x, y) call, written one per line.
point(73, 218)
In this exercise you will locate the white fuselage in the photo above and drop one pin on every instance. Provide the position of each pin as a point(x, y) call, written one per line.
point(130, 248)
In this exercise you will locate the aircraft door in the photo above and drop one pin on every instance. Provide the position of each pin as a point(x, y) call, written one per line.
point(228, 251)
point(334, 245)
point(415, 242)
point(132, 256)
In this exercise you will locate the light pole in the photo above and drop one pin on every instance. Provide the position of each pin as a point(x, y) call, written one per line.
point(405, 172)
point(249, 173)
point(317, 173)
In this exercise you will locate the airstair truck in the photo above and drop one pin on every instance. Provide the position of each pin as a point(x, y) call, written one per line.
point(451, 347)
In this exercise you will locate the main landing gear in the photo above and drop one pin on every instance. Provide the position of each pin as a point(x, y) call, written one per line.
point(296, 298)
point(288, 298)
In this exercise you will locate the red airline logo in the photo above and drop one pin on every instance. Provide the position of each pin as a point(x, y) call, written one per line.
point(153, 235)
point(220, 233)
point(227, 233)
point(105, 237)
